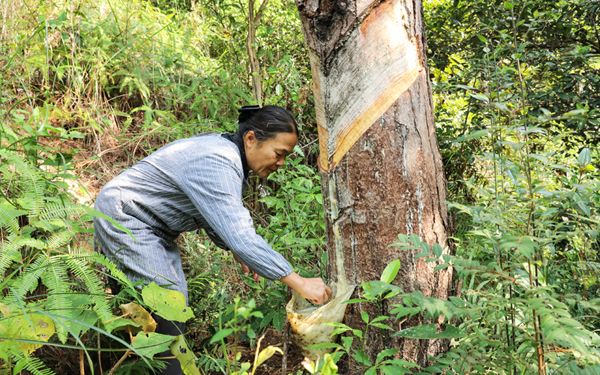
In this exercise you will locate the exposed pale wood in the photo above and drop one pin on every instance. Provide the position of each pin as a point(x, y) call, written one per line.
point(377, 62)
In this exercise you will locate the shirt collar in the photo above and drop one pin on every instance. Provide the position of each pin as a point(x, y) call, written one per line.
point(236, 138)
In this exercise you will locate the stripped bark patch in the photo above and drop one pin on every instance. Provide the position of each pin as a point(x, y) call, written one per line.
point(376, 65)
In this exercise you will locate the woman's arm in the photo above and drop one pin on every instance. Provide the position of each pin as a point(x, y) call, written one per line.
point(313, 289)
point(212, 180)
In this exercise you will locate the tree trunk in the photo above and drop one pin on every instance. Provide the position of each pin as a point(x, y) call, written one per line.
point(381, 165)
point(253, 23)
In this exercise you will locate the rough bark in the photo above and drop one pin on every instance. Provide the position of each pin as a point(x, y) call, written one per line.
point(391, 179)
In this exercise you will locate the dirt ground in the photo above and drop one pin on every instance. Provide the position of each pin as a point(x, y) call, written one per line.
point(273, 365)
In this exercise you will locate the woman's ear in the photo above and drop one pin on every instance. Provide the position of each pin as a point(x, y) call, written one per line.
point(250, 139)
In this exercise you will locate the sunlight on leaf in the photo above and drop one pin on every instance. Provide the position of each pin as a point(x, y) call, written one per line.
point(139, 315)
point(267, 353)
point(186, 357)
point(390, 271)
point(170, 304)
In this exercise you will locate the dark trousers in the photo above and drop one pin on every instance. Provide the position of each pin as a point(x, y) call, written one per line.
point(165, 327)
point(172, 328)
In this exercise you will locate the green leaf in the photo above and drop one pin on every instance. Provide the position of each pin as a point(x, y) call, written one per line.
point(437, 250)
point(221, 335)
point(433, 369)
point(337, 331)
point(9, 221)
point(480, 97)
point(385, 353)
point(390, 271)
point(152, 343)
point(403, 311)
point(19, 366)
point(402, 239)
point(267, 319)
point(441, 267)
point(473, 135)
point(364, 316)
point(243, 368)
point(395, 370)
point(90, 317)
point(379, 319)
point(508, 5)
point(501, 106)
point(347, 341)
point(415, 239)
point(341, 325)
point(186, 357)
point(585, 157)
point(361, 358)
point(278, 322)
point(382, 326)
point(169, 304)
point(357, 333)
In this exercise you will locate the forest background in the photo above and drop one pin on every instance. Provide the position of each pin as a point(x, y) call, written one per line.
point(87, 88)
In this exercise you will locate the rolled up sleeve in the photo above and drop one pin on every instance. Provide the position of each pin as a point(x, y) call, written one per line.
point(213, 182)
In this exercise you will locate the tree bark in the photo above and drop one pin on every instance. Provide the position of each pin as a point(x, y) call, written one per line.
point(381, 166)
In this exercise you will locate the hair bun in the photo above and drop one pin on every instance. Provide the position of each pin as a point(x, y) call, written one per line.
point(247, 108)
point(246, 112)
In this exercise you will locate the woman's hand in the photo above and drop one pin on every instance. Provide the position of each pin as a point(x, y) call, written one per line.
point(313, 289)
point(245, 270)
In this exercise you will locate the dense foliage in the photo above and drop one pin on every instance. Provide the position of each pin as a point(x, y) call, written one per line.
point(88, 88)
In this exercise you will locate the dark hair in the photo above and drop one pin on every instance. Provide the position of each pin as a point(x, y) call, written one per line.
point(266, 122)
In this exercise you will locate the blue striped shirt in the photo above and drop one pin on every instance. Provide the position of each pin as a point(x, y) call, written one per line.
point(186, 185)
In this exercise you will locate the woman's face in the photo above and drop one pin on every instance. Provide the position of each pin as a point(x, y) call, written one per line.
point(266, 157)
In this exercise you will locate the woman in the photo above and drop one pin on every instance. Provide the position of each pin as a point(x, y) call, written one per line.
point(197, 183)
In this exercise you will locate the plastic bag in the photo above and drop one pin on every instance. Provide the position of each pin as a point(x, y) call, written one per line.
point(308, 323)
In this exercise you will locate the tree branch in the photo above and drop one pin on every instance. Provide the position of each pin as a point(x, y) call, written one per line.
point(260, 12)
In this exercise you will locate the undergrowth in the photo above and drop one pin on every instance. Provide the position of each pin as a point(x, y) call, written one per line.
point(88, 88)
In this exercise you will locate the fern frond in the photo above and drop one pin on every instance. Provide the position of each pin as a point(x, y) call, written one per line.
point(9, 222)
point(573, 369)
point(31, 242)
point(59, 239)
point(33, 364)
point(61, 211)
point(55, 278)
point(113, 269)
point(9, 253)
point(28, 280)
point(33, 197)
point(83, 270)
